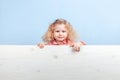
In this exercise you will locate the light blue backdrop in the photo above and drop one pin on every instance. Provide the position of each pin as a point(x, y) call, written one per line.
point(25, 21)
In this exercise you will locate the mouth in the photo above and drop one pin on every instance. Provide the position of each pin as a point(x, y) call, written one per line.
point(60, 37)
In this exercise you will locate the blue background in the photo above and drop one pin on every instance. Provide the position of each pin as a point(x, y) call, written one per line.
point(23, 22)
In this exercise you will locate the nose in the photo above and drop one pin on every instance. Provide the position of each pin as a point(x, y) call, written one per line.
point(60, 33)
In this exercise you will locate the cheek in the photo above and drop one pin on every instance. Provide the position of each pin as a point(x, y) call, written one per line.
point(66, 34)
point(55, 34)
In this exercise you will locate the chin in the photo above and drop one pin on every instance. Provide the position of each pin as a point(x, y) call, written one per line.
point(60, 40)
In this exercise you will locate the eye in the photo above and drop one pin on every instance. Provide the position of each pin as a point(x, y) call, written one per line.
point(63, 31)
point(57, 31)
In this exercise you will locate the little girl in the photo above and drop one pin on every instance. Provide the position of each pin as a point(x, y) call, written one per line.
point(61, 32)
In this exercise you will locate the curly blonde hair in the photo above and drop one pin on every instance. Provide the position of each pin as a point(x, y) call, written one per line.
point(72, 35)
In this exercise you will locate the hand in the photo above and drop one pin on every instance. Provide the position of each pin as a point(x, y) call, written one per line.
point(41, 45)
point(76, 46)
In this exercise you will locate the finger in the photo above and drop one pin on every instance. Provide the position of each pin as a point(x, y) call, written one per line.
point(72, 45)
point(77, 49)
point(41, 45)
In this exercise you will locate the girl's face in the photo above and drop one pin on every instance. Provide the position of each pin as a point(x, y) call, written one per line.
point(60, 33)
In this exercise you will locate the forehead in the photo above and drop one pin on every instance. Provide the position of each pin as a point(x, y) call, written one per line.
point(60, 26)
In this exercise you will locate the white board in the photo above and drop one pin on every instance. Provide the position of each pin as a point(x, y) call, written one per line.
point(28, 62)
